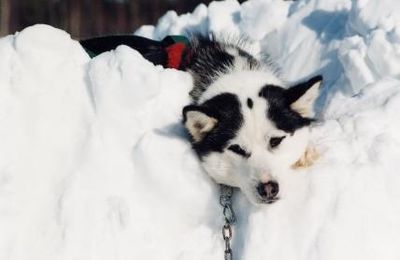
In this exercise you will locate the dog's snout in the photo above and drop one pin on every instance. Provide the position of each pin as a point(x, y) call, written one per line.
point(268, 190)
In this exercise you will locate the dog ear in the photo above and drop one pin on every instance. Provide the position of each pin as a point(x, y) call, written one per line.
point(302, 97)
point(197, 122)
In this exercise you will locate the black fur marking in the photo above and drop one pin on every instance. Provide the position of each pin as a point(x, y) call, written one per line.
point(208, 59)
point(239, 150)
point(250, 103)
point(279, 110)
point(276, 141)
point(226, 109)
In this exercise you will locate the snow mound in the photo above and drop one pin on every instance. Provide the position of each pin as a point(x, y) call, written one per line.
point(94, 163)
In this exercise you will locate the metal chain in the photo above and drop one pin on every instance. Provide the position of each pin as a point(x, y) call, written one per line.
point(226, 202)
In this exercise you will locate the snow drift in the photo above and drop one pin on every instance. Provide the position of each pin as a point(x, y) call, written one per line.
point(94, 163)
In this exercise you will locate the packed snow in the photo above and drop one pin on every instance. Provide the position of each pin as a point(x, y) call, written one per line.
point(95, 164)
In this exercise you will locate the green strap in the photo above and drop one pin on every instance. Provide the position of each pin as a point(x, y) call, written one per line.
point(171, 39)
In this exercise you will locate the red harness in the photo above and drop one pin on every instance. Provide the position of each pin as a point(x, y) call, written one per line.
point(176, 53)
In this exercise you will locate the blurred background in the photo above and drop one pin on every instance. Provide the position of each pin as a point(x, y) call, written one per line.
point(88, 18)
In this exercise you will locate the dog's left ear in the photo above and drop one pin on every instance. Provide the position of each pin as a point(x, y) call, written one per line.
point(198, 122)
point(302, 97)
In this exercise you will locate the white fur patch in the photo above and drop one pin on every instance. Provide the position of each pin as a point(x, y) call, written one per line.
point(243, 83)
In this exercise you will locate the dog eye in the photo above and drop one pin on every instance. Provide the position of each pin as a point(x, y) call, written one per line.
point(239, 150)
point(275, 141)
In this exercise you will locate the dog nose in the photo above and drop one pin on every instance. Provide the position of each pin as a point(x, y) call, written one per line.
point(268, 190)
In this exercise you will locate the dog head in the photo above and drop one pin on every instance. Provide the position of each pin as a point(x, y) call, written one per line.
point(247, 129)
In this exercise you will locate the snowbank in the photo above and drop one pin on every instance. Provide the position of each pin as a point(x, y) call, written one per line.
point(94, 163)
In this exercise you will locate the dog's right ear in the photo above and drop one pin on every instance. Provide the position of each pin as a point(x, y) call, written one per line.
point(197, 122)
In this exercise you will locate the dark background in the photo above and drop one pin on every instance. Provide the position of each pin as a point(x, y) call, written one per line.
point(88, 18)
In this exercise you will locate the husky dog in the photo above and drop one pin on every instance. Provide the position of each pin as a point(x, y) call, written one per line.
point(246, 125)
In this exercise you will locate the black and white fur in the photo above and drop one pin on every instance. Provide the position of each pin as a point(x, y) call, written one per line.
point(246, 125)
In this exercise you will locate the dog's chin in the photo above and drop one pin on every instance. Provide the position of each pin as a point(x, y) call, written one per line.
point(258, 201)
point(268, 201)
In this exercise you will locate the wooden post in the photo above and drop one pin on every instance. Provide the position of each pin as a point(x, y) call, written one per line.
point(75, 18)
point(5, 10)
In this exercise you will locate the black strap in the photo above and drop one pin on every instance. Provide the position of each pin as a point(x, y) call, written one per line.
point(152, 50)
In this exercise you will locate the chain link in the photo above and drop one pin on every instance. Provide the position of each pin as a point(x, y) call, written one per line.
point(227, 235)
point(229, 215)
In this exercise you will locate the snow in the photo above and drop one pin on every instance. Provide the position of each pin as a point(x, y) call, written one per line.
point(94, 163)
